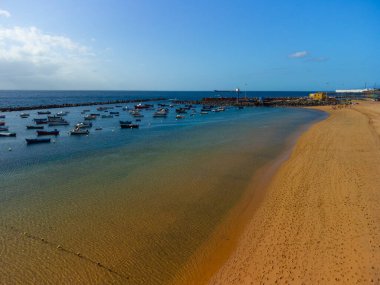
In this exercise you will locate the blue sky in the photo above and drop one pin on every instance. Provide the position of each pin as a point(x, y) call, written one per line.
point(189, 45)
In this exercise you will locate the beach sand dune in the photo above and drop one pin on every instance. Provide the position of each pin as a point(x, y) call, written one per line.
point(320, 219)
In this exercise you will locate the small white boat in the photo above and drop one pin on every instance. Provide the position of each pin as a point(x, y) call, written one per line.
point(162, 113)
point(24, 115)
point(136, 114)
point(78, 131)
point(62, 113)
point(90, 117)
point(7, 134)
point(83, 125)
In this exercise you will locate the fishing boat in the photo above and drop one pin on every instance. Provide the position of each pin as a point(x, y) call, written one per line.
point(62, 113)
point(143, 106)
point(90, 117)
point(3, 129)
point(129, 126)
point(59, 123)
point(7, 134)
point(2, 123)
point(35, 141)
point(78, 132)
point(48, 133)
point(180, 117)
point(114, 113)
point(181, 111)
point(2, 116)
point(103, 108)
point(107, 116)
point(39, 121)
point(162, 113)
point(34, 127)
point(137, 114)
point(125, 122)
point(204, 112)
point(83, 125)
point(24, 115)
point(43, 112)
point(54, 119)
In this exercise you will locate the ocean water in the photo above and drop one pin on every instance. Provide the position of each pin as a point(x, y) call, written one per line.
point(128, 206)
point(15, 98)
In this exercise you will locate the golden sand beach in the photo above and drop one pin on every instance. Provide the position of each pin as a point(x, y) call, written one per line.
point(319, 221)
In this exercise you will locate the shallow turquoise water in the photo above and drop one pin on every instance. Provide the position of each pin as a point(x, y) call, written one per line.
point(138, 201)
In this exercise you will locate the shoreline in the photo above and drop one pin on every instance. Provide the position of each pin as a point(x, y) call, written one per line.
point(214, 252)
point(317, 221)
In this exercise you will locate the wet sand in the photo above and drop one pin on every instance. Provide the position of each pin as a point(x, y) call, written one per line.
point(132, 214)
point(319, 221)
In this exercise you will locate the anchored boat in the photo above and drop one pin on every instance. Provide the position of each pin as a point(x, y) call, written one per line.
point(35, 141)
point(78, 131)
point(7, 134)
point(129, 126)
point(33, 127)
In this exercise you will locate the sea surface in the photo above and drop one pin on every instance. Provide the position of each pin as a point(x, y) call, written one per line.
point(14, 98)
point(126, 206)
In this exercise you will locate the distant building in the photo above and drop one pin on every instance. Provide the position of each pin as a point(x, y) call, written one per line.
point(354, 90)
point(318, 96)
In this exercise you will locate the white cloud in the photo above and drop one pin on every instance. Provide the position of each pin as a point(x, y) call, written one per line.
point(30, 58)
point(4, 13)
point(30, 44)
point(299, 54)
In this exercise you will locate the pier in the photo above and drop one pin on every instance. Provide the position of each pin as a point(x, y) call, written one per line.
point(215, 101)
point(264, 102)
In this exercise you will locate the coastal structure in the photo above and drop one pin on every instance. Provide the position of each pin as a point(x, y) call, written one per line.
point(66, 105)
point(318, 96)
point(354, 90)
